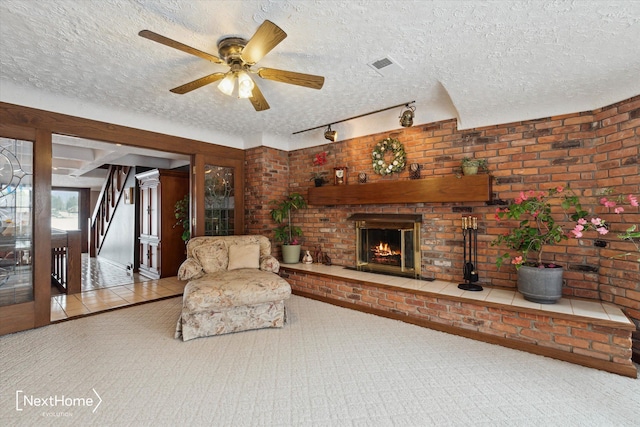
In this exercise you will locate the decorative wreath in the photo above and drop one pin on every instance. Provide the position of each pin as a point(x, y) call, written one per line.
point(380, 152)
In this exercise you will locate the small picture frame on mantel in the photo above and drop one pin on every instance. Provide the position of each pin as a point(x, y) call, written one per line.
point(340, 175)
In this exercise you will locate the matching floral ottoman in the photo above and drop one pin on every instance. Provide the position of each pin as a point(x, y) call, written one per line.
point(233, 286)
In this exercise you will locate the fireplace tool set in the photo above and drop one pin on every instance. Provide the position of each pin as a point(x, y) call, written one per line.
point(470, 242)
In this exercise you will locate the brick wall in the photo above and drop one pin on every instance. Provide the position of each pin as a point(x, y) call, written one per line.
point(586, 151)
point(573, 339)
point(618, 157)
point(266, 179)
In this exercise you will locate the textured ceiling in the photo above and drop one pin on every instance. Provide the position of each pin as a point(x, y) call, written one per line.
point(483, 62)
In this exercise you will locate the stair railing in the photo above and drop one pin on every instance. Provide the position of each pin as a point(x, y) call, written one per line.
point(110, 195)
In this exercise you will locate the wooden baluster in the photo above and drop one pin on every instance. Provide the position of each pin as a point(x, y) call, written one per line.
point(53, 263)
point(63, 267)
point(107, 210)
point(74, 262)
point(118, 180)
point(59, 267)
point(112, 187)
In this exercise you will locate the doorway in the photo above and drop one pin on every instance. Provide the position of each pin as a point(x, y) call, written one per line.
point(17, 121)
point(79, 175)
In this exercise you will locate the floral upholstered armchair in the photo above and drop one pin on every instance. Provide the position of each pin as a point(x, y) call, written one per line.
point(233, 286)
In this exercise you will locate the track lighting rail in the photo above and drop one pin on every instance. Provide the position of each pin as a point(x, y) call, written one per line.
point(404, 104)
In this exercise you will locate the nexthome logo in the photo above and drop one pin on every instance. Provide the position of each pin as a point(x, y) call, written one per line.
point(24, 400)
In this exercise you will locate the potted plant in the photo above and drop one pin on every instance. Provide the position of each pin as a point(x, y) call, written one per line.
point(286, 232)
point(471, 166)
point(181, 210)
point(538, 281)
point(539, 226)
point(319, 178)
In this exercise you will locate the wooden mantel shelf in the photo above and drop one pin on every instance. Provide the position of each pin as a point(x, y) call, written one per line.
point(474, 188)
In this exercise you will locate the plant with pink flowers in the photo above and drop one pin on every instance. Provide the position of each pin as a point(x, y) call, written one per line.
point(631, 234)
point(540, 224)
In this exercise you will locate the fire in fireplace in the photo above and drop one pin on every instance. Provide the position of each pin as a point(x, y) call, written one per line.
point(387, 243)
point(385, 254)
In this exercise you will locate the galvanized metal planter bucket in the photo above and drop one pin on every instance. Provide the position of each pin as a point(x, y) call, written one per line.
point(541, 285)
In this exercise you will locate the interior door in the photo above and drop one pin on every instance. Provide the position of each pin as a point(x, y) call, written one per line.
point(218, 204)
point(23, 305)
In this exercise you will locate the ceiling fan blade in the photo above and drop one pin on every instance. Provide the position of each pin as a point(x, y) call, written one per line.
point(177, 45)
point(300, 79)
point(268, 36)
point(258, 101)
point(188, 87)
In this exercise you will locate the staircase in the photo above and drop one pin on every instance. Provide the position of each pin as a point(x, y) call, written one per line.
point(110, 194)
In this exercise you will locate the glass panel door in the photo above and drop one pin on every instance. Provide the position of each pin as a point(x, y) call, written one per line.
point(16, 224)
point(219, 201)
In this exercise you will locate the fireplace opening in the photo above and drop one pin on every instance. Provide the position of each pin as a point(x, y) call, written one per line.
point(385, 252)
point(388, 244)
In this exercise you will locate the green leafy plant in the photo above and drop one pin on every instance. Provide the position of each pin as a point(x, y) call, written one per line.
point(319, 178)
point(281, 214)
point(181, 210)
point(318, 175)
point(538, 226)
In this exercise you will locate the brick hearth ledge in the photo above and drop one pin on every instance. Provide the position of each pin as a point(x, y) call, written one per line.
point(584, 332)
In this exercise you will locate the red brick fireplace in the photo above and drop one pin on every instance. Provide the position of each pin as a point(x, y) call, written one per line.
point(586, 150)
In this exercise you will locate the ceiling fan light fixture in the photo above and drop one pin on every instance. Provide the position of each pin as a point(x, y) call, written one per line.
point(240, 55)
point(245, 85)
point(331, 135)
point(227, 84)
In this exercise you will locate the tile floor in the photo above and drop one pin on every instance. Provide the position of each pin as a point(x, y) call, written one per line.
point(64, 307)
point(106, 286)
point(584, 308)
point(98, 273)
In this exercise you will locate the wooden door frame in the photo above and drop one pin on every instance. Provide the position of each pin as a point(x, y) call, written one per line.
point(36, 125)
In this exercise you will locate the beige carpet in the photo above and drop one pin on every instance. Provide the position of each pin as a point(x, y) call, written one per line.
point(329, 366)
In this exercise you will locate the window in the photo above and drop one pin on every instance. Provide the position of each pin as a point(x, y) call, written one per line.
point(65, 208)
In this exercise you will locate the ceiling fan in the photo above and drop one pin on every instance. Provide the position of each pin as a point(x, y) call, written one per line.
point(240, 55)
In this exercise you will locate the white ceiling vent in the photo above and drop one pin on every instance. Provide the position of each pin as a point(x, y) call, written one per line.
point(386, 66)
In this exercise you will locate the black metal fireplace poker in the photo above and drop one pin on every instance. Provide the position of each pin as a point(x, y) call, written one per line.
point(470, 236)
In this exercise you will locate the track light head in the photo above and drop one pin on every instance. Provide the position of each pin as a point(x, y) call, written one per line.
point(331, 135)
point(406, 118)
